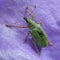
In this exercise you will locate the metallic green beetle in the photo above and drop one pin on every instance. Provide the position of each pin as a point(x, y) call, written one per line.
point(38, 34)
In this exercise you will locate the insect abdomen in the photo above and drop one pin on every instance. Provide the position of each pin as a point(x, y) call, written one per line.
point(40, 40)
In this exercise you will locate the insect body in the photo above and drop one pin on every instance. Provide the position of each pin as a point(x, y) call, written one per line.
point(37, 33)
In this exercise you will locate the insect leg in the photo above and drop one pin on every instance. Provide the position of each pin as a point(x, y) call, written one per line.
point(36, 48)
point(26, 37)
point(11, 25)
point(50, 43)
point(40, 23)
point(29, 12)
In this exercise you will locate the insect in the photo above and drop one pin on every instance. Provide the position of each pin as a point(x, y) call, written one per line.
point(38, 34)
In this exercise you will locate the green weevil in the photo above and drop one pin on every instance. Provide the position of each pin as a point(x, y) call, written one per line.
point(38, 34)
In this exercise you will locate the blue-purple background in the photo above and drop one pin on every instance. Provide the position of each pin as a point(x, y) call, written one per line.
point(11, 39)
